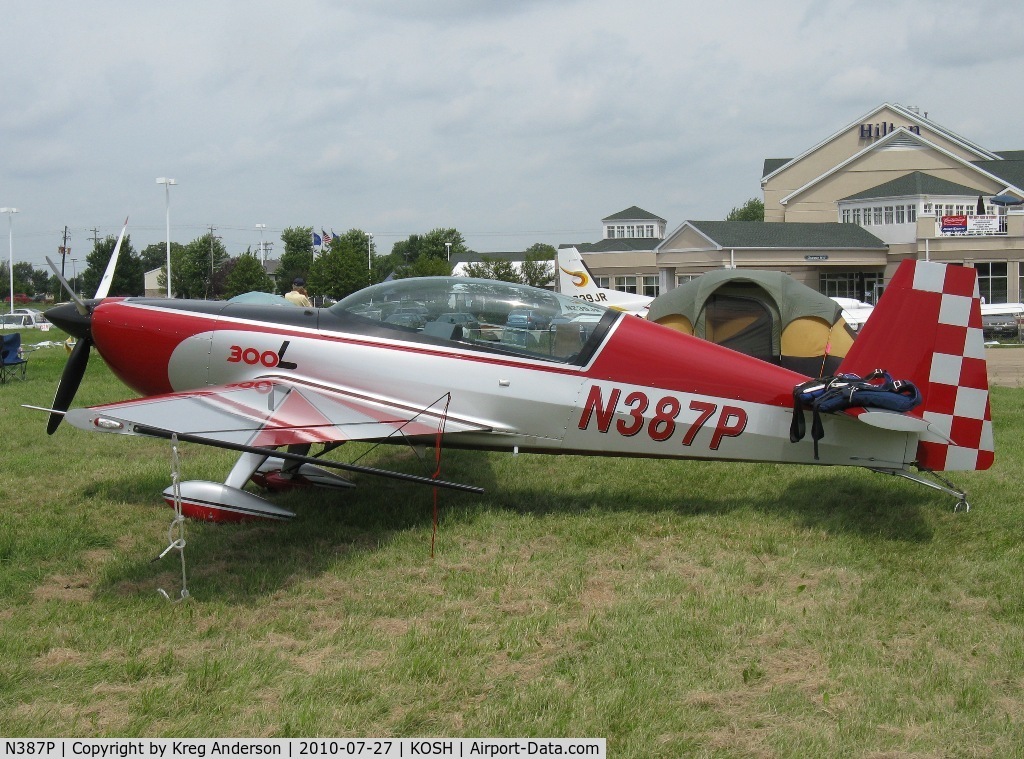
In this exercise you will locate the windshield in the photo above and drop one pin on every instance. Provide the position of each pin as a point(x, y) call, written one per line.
point(499, 316)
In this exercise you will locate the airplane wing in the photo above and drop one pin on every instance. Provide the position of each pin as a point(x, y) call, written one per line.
point(268, 413)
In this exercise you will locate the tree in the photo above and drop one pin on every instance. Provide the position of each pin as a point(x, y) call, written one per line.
point(752, 210)
point(194, 266)
point(247, 275)
point(40, 281)
point(344, 268)
point(297, 259)
point(493, 268)
point(23, 281)
point(155, 256)
point(128, 274)
point(538, 270)
point(406, 251)
point(427, 255)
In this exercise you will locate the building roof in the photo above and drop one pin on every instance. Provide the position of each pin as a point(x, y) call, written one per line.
point(1010, 171)
point(915, 183)
point(790, 234)
point(1011, 155)
point(910, 114)
point(473, 257)
point(771, 164)
point(616, 245)
point(633, 213)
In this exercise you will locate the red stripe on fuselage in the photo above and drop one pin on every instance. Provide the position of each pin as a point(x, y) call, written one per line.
point(639, 352)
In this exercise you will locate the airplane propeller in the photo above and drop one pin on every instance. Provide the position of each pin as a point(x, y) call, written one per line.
point(75, 318)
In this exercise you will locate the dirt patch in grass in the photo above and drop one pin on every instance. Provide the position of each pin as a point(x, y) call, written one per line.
point(101, 716)
point(58, 657)
point(74, 586)
point(66, 588)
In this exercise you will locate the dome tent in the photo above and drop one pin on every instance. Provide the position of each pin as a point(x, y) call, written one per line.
point(765, 314)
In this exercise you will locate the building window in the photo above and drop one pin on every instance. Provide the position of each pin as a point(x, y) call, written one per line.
point(620, 231)
point(609, 232)
point(630, 231)
point(878, 214)
point(856, 216)
point(603, 282)
point(901, 215)
point(927, 209)
point(949, 209)
point(857, 285)
point(682, 279)
point(992, 281)
point(626, 284)
point(651, 286)
point(846, 216)
point(888, 214)
point(650, 230)
point(911, 214)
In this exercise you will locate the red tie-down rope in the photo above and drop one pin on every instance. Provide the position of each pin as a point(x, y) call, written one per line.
point(437, 467)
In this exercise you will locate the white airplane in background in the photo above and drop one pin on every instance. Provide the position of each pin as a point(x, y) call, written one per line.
point(855, 312)
point(575, 279)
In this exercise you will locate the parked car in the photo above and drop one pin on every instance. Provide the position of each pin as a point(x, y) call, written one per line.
point(527, 319)
point(468, 321)
point(25, 318)
point(406, 319)
point(999, 325)
point(1000, 319)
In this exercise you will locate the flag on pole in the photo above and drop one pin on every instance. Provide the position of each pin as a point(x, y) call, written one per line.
point(317, 241)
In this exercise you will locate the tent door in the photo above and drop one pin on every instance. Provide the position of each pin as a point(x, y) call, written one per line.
point(742, 324)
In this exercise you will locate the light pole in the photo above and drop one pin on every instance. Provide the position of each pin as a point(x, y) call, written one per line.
point(10, 246)
point(74, 276)
point(166, 182)
point(263, 249)
point(369, 258)
point(448, 245)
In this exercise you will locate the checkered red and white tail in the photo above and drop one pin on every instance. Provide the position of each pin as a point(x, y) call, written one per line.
point(927, 329)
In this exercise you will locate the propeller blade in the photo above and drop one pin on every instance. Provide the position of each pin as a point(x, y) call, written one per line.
point(79, 303)
point(108, 275)
point(74, 370)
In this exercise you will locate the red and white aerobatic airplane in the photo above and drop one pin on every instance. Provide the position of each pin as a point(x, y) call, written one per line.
point(497, 366)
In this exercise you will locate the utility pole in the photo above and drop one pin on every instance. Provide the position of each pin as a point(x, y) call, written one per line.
point(64, 250)
point(212, 230)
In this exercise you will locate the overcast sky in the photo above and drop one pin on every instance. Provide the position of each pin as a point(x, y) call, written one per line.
point(516, 121)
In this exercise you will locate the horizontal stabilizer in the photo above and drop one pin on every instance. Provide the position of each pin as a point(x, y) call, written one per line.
point(896, 421)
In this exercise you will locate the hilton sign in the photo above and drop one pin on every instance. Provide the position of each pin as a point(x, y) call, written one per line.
point(871, 131)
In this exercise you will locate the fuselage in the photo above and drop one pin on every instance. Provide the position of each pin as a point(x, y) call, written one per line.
point(587, 381)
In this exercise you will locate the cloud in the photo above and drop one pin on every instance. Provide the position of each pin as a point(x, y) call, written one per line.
point(504, 119)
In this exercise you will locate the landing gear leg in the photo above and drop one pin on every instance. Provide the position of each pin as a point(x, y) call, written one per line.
point(937, 483)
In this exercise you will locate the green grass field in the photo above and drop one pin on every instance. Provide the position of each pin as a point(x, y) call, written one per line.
point(676, 608)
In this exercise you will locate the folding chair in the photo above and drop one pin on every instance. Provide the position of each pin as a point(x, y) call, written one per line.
point(12, 364)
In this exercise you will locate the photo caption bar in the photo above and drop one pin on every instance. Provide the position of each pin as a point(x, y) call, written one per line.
point(299, 748)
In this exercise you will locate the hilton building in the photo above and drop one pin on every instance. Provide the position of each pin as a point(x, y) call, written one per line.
point(842, 215)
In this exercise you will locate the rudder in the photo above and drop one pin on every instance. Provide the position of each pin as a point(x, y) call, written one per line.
point(927, 329)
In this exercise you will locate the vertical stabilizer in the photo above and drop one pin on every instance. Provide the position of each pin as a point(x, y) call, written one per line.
point(927, 329)
point(573, 276)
